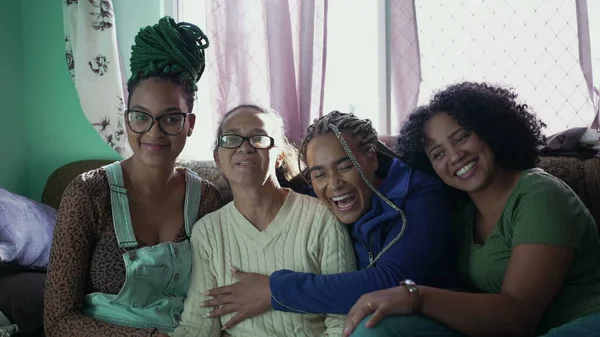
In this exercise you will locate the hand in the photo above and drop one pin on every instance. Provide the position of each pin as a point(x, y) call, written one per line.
point(249, 297)
point(391, 301)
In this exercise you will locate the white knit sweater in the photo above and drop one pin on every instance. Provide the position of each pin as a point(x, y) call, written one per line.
point(304, 236)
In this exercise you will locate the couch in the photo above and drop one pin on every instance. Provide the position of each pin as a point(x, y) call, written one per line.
point(25, 309)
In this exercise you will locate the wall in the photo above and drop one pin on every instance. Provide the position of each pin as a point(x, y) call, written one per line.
point(14, 147)
point(42, 121)
point(58, 132)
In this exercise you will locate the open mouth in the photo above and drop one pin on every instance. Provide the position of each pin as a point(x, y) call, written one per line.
point(464, 171)
point(246, 163)
point(345, 201)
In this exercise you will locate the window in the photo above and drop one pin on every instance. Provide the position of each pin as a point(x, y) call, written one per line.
point(529, 45)
point(353, 82)
point(201, 144)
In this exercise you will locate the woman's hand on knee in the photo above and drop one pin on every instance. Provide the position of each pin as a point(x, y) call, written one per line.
point(392, 301)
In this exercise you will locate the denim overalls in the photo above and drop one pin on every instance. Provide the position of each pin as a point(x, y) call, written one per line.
point(157, 277)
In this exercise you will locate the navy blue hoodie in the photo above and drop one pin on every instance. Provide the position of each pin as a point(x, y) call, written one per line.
point(426, 253)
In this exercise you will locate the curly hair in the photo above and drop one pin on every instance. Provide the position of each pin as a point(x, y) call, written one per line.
point(512, 132)
point(288, 170)
point(170, 51)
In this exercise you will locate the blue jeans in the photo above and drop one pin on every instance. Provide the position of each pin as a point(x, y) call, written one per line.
point(586, 326)
point(405, 326)
point(421, 326)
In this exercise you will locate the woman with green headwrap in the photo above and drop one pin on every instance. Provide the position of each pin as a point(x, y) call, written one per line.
point(120, 261)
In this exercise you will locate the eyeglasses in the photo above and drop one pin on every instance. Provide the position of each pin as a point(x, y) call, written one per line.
point(141, 122)
point(231, 141)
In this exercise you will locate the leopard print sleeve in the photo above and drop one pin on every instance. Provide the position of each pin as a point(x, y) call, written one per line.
point(211, 198)
point(68, 270)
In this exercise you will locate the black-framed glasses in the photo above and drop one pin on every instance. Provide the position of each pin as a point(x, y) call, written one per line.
point(141, 122)
point(233, 141)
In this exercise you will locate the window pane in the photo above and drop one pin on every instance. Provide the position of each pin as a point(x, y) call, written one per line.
point(529, 45)
point(351, 82)
point(200, 145)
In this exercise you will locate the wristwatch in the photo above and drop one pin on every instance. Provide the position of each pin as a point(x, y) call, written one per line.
point(413, 290)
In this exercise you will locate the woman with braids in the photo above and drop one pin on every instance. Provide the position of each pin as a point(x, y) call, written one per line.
point(398, 217)
point(120, 262)
point(530, 248)
point(266, 227)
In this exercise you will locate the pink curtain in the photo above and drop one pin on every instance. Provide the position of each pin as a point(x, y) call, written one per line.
point(269, 52)
point(404, 59)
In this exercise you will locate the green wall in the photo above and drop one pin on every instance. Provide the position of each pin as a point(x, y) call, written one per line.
point(43, 125)
point(14, 147)
point(47, 127)
point(58, 132)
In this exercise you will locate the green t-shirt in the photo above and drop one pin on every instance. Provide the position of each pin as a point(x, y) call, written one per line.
point(541, 210)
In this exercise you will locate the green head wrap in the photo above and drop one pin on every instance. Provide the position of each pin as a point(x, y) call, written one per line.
point(170, 50)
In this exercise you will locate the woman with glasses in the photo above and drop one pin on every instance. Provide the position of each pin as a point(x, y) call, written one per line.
point(265, 228)
point(120, 262)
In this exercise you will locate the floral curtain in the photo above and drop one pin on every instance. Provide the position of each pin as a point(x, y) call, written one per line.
point(93, 62)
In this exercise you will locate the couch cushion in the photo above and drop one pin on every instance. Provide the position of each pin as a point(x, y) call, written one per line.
point(62, 176)
point(22, 298)
point(582, 175)
point(26, 228)
point(208, 170)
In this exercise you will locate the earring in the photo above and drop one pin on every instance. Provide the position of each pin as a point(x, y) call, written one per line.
point(189, 132)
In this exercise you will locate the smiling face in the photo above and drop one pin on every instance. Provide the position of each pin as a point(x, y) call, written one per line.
point(334, 178)
point(246, 165)
point(158, 97)
point(459, 156)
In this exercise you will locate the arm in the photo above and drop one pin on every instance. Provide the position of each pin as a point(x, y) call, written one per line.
point(534, 275)
point(414, 256)
point(548, 226)
point(74, 237)
point(337, 257)
point(193, 319)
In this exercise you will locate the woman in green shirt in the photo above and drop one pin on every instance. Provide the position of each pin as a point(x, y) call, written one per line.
point(530, 253)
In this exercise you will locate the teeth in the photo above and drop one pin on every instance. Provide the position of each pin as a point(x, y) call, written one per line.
point(243, 163)
point(465, 169)
point(342, 197)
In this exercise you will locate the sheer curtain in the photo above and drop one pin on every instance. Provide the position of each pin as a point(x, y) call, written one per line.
point(271, 53)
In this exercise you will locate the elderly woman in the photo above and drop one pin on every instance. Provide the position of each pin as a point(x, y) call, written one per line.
point(265, 228)
point(120, 261)
point(530, 248)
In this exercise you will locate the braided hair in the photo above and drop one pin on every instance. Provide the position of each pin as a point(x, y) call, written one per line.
point(170, 51)
point(366, 136)
point(361, 129)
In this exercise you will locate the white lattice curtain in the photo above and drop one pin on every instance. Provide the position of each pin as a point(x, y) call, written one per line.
point(93, 61)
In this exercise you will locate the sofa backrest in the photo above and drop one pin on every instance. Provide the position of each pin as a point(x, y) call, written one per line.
point(62, 177)
point(582, 175)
